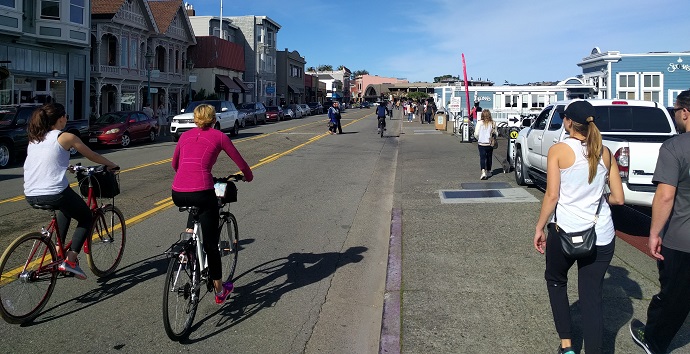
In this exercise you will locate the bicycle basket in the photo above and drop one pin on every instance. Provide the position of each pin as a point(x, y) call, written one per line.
point(226, 191)
point(105, 184)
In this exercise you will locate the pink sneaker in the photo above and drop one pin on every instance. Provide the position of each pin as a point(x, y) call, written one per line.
point(223, 295)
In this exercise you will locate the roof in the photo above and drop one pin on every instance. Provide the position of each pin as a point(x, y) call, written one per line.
point(164, 12)
point(102, 7)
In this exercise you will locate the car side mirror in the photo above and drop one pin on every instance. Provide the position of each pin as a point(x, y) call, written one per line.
point(526, 122)
point(182, 110)
point(224, 109)
point(21, 121)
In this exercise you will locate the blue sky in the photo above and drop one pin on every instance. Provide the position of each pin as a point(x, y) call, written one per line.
point(503, 40)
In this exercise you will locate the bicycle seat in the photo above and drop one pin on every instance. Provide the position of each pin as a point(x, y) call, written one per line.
point(44, 207)
point(192, 210)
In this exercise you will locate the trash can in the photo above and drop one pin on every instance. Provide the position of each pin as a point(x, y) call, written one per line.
point(440, 120)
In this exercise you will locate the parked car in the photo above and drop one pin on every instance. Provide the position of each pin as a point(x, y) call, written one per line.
point(327, 105)
point(13, 130)
point(297, 111)
point(316, 107)
point(242, 118)
point(122, 128)
point(274, 113)
point(632, 130)
point(288, 113)
point(226, 118)
point(255, 111)
point(306, 110)
point(365, 104)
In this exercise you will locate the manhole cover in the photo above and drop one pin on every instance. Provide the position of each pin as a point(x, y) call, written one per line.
point(485, 185)
point(472, 194)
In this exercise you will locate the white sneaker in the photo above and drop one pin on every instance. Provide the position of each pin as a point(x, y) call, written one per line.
point(483, 176)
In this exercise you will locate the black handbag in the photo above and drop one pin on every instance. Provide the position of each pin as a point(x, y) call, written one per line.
point(578, 244)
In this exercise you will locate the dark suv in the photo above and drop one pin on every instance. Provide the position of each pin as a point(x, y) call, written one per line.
point(316, 107)
point(255, 111)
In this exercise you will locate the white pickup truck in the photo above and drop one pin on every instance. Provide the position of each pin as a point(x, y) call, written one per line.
point(632, 130)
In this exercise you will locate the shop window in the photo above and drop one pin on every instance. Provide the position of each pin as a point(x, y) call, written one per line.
point(50, 10)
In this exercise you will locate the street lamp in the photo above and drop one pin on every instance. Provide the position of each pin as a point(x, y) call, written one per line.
point(149, 63)
point(190, 66)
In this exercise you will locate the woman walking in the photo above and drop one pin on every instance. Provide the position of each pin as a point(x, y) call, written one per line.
point(577, 171)
point(484, 132)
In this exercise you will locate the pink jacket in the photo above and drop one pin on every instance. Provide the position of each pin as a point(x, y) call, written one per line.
point(196, 153)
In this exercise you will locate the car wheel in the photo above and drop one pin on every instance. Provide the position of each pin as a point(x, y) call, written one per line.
point(152, 136)
point(264, 120)
point(235, 129)
point(5, 154)
point(519, 170)
point(125, 140)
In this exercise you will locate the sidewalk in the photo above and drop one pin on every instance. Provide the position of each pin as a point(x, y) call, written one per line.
point(471, 279)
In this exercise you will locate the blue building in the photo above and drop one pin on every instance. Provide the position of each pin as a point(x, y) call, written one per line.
point(654, 76)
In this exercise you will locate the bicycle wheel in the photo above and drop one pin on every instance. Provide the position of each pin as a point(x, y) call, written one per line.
point(228, 244)
point(381, 131)
point(107, 241)
point(27, 278)
point(181, 294)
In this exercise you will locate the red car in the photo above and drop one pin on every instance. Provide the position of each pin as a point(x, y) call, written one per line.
point(275, 113)
point(122, 128)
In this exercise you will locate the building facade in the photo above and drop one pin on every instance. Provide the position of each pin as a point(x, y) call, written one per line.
point(656, 76)
point(139, 54)
point(364, 87)
point(259, 35)
point(44, 52)
point(290, 77)
point(337, 83)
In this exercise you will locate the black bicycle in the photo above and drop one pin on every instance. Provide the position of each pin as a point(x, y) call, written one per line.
point(188, 268)
point(382, 125)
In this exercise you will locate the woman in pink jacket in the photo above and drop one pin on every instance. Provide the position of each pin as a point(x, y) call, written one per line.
point(195, 154)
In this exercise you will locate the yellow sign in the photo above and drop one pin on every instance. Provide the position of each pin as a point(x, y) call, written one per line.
point(513, 134)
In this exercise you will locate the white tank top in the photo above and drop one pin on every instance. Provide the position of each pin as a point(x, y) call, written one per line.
point(578, 200)
point(45, 167)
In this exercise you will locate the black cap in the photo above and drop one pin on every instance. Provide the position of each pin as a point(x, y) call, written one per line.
point(580, 112)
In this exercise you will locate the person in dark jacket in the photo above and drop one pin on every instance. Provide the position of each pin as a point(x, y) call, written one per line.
point(430, 110)
point(333, 116)
point(381, 115)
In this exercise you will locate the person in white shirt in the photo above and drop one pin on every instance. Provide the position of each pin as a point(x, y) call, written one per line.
point(484, 132)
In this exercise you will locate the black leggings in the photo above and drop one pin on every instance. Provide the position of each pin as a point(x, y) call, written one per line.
point(486, 155)
point(69, 206)
point(590, 280)
point(209, 219)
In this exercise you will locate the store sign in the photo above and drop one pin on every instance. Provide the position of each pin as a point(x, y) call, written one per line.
point(153, 90)
point(483, 98)
point(672, 67)
point(455, 105)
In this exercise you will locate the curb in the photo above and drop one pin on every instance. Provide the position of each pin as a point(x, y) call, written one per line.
point(390, 324)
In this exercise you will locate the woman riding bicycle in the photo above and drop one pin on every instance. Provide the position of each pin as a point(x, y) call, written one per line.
point(195, 154)
point(45, 182)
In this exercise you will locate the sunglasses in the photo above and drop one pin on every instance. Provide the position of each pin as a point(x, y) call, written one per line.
point(677, 109)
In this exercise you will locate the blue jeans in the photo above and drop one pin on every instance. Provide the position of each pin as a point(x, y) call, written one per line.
point(410, 116)
point(486, 154)
point(69, 205)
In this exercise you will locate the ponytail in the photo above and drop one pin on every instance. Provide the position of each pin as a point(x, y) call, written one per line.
point(43, 119)
point(594, 145)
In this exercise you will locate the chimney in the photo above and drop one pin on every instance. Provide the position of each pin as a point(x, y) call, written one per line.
point(190, 9)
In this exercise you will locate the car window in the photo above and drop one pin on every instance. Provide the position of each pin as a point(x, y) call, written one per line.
point(557, 119)
point(25, 114)
point(631, 119)
point(540, 123)
point(143, 117)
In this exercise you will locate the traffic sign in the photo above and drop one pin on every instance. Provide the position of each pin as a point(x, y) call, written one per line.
point(192, 78)
point(455, 105)
point(270, 90)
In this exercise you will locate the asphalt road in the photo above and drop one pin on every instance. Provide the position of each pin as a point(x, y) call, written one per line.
point(314, 227)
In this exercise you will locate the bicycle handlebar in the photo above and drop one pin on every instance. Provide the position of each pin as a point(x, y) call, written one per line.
point(235, 177)
point(89, 169)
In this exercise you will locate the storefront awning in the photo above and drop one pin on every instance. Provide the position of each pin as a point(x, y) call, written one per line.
point(241, 84)
point(229, 83)
point(296, 89)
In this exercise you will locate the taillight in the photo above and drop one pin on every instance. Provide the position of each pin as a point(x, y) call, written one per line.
point(623, 161)
point(619, 102)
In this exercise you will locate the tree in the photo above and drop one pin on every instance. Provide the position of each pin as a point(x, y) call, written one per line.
point(325, 68)
point(360, 72)
point(446, 78)
point(311, 68)
point(417, 95)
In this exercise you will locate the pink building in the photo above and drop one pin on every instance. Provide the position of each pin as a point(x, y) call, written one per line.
point(370, 87)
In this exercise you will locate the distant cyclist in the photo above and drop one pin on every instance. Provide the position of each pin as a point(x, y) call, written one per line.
point(193, 160)
point(381, 115)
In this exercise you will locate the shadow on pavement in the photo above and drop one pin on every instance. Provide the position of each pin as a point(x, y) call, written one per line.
point(122, 280)
point(270, 281)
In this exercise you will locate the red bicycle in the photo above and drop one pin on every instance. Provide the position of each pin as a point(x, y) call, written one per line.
point(29, 266)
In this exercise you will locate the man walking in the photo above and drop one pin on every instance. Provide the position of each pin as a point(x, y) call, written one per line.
point(336, 104)
point(671, 212)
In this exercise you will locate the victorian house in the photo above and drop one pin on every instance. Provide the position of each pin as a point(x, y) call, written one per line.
point(44, 51)
point(139, 55)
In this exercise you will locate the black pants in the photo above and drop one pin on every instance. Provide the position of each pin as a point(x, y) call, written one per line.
point(340, 128)
point(209, 219)
point(669, 308)
point(590, 281)
point(428, 117)
point(69, 206)
point(486, 156)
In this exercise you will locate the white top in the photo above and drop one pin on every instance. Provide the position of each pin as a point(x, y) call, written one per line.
point(578, 200)
point(482, 132)
point(45, 167)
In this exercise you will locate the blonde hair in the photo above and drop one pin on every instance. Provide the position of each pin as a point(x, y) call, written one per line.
point(204, 115)
point(595, 146)
point(486, 116)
